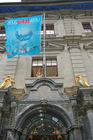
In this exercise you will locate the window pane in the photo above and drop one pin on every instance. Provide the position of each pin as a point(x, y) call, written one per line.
point(49, 31)
point(49, 26)
point(36, 71)
point(40, 63)
point(34, 63)
point(2, 30)
point(42, 27)
point(87, 30)
point(49, 63)
point(41, 32)
point(51, 71)
point(54, 63)
point(87, 27)
point(52, 31)
point(39, 72)
point(2, 34)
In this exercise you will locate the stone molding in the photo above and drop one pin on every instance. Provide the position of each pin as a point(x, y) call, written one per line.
point(71, 128)
point(23, 115)
point(44, 82)
point(88, 46)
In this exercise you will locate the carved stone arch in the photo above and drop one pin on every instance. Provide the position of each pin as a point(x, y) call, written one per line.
point(57, 112)
point(54, 108)
point(44, 82)
point(44, 88)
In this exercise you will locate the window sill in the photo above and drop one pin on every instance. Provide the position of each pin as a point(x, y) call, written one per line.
point(88, 34)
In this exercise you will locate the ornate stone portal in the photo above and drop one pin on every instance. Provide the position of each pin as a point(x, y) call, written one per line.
point(67, 118)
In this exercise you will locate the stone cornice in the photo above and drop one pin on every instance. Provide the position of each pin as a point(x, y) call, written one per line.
point(88, 46)
point(45, 2)
point(3, 90)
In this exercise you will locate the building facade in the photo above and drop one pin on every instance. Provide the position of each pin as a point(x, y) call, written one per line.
point(54, 106)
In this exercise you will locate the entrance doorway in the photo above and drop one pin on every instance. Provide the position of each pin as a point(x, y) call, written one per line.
point(44, 123)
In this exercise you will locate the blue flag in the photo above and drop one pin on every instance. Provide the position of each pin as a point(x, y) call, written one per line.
point(23, 36)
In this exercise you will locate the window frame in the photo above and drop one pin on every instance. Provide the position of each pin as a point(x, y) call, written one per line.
point(2, 30)
point(49, 31)
point(87, 24)
point(41, 66)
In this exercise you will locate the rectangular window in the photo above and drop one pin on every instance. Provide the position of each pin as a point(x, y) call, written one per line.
point(87, 27)
point(49, 29)
point(2, 31)
point(51, 68)
point(37, 68)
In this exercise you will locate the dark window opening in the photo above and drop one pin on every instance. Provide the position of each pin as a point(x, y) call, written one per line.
point(2, 30)
point(87, 27)
point(49, 29)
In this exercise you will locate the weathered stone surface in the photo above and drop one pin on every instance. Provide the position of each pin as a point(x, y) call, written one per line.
point(72, 47)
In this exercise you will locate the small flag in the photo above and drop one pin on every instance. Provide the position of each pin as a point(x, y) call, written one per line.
point(23, 36)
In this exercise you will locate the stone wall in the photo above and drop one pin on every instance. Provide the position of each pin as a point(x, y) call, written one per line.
point(70, 44)
point(78, 109)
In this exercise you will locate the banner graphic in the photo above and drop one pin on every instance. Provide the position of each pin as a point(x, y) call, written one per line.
point(23, 36)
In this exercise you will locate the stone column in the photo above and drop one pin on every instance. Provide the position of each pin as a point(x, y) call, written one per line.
point(90, 118)
point(10, 135)
point(18, 134)
point(75, 130)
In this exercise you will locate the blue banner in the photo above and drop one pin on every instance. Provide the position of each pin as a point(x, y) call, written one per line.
point(23, 36)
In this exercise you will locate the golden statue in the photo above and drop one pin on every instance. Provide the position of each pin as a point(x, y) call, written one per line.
point(8, 82)
point(80, 81)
